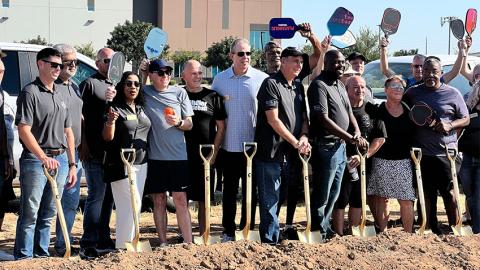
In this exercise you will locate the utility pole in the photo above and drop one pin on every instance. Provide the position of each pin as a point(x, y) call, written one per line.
point(448, 19)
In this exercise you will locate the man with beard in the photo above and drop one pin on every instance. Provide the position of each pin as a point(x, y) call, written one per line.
point(452, 113)
point(330, 116)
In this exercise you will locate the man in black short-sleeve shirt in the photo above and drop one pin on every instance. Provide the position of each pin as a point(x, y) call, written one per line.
point(282, 128)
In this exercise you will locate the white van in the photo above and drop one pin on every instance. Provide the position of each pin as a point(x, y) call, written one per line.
point(21, 69)
point(401, 66)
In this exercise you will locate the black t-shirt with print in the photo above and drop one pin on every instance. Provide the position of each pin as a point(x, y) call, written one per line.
point(207, 107)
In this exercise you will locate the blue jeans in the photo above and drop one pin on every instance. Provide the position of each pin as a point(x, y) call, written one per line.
point(70, 200)
point(37, 206)
point(328, 163)
point(93, 204)
point(470, 177)
point(268, 181)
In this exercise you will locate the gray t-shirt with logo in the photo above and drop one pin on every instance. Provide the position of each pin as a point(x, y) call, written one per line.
point(166, 142)
point(46, 112)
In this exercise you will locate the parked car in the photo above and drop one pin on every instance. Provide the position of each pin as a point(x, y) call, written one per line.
point(401, 66)
point(21, 69)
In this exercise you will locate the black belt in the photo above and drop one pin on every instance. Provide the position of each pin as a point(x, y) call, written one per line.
point(324, 141)
point(53, 151)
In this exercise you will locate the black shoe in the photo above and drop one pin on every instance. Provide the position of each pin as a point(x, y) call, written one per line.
point(73, 252)
point(89, 253)
point(290, 234)
point(106, 247)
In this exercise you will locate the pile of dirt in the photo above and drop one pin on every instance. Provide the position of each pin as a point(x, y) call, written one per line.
point(393, 249)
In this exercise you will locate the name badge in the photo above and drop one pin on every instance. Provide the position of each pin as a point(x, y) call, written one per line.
point(131, 117)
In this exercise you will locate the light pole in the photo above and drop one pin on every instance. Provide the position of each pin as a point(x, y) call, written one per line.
point(449, 19)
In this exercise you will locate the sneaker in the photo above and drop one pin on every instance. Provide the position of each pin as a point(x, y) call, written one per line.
point(178, 239)
point(106, 247)
point(226, 238)
point(61, 252)
point(89, 253)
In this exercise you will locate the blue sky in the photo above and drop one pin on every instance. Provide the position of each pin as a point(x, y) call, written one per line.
point(420, 20)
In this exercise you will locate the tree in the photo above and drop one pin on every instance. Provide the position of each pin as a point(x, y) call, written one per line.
point(38, 40)
point(217, 54)
point(180, 57)
point(258, 60)
point(405, 52)
point(128, 39)
point(367, 45)
point(308, 49)
point(86, 49)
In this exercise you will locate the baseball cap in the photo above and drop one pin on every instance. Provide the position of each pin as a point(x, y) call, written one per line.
point(158, 64)
point(292, 51)
point(356, 55)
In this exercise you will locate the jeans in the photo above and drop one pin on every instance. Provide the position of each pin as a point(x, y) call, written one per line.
point(37, 206)
point(470, 177)
point(328, 163)
point(2, 175)
point(268, 181)
point(234, 168)
point(98, 206)
point(70, 201)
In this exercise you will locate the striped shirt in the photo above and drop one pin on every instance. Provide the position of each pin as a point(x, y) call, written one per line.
point(240, 98)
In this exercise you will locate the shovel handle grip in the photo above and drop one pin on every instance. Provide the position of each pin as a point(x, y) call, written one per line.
point(208, 158)
point(247, 145)
point(131, 155)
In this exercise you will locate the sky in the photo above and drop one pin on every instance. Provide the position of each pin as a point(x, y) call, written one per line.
point(420, 21)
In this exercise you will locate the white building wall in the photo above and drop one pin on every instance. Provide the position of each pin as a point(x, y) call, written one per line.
point(63, 21)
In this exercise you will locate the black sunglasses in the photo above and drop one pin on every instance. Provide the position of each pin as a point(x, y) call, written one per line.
point(132, 83)
point(71, 63)
point(54, 64)
point(162, 73)
point(417, 66)
point(106, 60)
point(242, 54)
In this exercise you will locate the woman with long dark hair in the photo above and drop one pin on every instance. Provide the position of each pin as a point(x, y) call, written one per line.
point(126, 126)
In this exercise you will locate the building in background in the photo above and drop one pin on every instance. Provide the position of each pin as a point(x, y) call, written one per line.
point(193, 25)
point(75, 22)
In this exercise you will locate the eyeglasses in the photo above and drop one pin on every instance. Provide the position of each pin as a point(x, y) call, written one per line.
point(71, 63)
point(54, 64)
point(242, 54)
point(162, 73)
point(106, 60)
point(417, 66)
point(132, 83)
point(396, 86)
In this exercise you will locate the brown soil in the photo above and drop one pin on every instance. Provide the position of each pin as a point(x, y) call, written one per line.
point(393, 249)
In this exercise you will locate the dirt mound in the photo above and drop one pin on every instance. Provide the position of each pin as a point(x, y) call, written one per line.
point(390, 250)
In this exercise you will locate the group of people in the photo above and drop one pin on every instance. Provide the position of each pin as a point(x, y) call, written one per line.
point(72, 128)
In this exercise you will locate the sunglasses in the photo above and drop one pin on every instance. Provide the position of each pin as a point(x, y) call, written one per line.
point(396, 86)
point(54, 64)
point(106, 60)
point(162, 73)
point(71, 63)
point(242, 54)
point(132, 83)
point(417, 66)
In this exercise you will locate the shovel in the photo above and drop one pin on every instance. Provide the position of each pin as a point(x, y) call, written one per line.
point(206, 238)
point(308, 236)
point(362, 230)
point(52, 179)
point(136, 245)
point(416, 154)
point(246, 234)
point(458, 229)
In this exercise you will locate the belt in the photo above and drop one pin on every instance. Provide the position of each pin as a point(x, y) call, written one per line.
point(323, 141)
point(53, 151)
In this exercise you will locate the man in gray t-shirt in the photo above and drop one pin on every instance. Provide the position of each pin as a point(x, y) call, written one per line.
point(170, 112)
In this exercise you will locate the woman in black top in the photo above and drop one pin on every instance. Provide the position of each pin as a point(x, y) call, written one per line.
point(126, 126)
point(392, 175)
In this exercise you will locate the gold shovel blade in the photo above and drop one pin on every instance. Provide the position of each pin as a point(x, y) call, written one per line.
point(141, 246)
point(210, 240)
point(249, 235)
point(462, 230)
point(366, 231)
point(310, 237)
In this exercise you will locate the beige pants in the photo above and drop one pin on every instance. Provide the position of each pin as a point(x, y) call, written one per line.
point(124, 226)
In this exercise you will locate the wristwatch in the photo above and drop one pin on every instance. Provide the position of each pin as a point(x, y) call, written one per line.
point(72, 164)
point(180, 123)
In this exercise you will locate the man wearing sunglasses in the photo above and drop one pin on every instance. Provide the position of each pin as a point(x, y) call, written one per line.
point(95, 91)
point(44, 129)
point(239, 86)
point(417, 64)
point(70, 197)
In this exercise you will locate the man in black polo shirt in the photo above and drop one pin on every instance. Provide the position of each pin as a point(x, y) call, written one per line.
point(281, 131)
point(98, 206)
point(330, 116)
point(44, 128)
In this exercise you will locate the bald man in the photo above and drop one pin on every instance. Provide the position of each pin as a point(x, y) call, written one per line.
point(208, 128)
point(98, 207)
